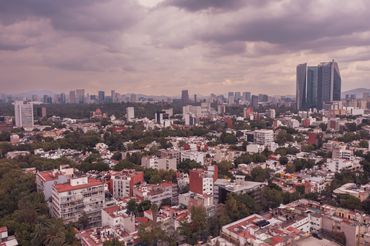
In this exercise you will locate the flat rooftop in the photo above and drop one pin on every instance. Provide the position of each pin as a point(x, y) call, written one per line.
point(315, 241)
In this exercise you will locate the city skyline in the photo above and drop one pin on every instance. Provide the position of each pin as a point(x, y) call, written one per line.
point(160, 47)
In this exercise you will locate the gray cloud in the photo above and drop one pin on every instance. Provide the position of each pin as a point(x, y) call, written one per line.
point(207, 45)
point(216, 5)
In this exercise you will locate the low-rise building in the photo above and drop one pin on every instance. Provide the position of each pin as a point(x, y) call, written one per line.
point(361, 192)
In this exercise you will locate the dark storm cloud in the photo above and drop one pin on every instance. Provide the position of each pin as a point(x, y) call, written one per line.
point(74, 15)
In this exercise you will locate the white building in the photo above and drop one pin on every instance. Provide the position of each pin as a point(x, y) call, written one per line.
point(193, 155)
point(77, 197)
point(338, 165)
point(263, 137)
point(45, 180)
point(159, 163)
point(130, 111)
point(23, 114)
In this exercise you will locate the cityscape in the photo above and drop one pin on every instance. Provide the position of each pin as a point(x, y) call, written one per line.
point(184, 158)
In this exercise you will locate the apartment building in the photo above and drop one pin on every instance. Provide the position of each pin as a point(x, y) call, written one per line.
point(76, 197)
point(159, 163)
point(45, 180)
point(264, 137)
point(122, 183)
point(158, 193)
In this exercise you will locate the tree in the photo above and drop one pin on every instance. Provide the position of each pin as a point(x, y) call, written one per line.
point(283, 160)
point(83, 222)
point(227, 138)
point(186, 165)
point(197, 229)
point(260, 174)
point(25, 212)
point(224, 168)
point(283, 137)
point(151, 233)
point(132, 206)
point(350, 202)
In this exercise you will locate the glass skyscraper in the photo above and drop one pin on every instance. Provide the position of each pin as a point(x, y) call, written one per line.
point(317, 85)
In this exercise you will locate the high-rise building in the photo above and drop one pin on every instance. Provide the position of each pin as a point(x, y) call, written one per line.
point(80, 96)
point(101, 96)
point(23, 114)
point(329, 83)
point(130, 111)
point(263, 98)
point(247, 96)
point(185, 96)
point(237, 95)
point(254, 101)
point(62, 98)
point(316, 85)
point(72, 97)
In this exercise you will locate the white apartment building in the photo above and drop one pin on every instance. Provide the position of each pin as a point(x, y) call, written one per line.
point(340, 152)
point(130, 111)
point(337, 165)
point(193, 155)
point(159, 163)
point(45, 180)
point(23, 114)
point(76, 197)
point(263, 137)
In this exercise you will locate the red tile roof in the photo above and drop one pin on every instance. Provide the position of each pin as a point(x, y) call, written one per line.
point(3, 229)
point(68, 187)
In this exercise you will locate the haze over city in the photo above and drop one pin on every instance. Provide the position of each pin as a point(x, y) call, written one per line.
point(159, 47)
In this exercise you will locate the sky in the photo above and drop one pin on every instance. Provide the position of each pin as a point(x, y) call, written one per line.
point(159, 47)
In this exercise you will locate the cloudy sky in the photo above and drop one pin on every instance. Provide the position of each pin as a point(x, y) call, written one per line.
point(159, 47)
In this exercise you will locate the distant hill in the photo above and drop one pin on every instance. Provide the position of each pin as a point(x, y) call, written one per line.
point(358, 92)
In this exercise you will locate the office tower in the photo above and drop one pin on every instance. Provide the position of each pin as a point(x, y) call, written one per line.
point(329, 83)
point(43, 112)
point(113, 95)
point(133, 98)
point(316, 85)
point(72, 97)
point(101, 96)
point(231, 98)
point(254, 101)
point(23, 114)
point(263, 98)
point(80, 96)
point(62, 98)
point(35, 98)
point(130, 111)
point(185, 96)
point(247, 96)
point(195, 98)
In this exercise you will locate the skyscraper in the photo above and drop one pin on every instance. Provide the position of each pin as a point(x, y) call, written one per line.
point(247, 95)
point(316, 85)
point(80, 96)
point(23, 114)
point(101, 96)
point(72, 97)
point(185, 96)
point(329, 83)
point(254, 101)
